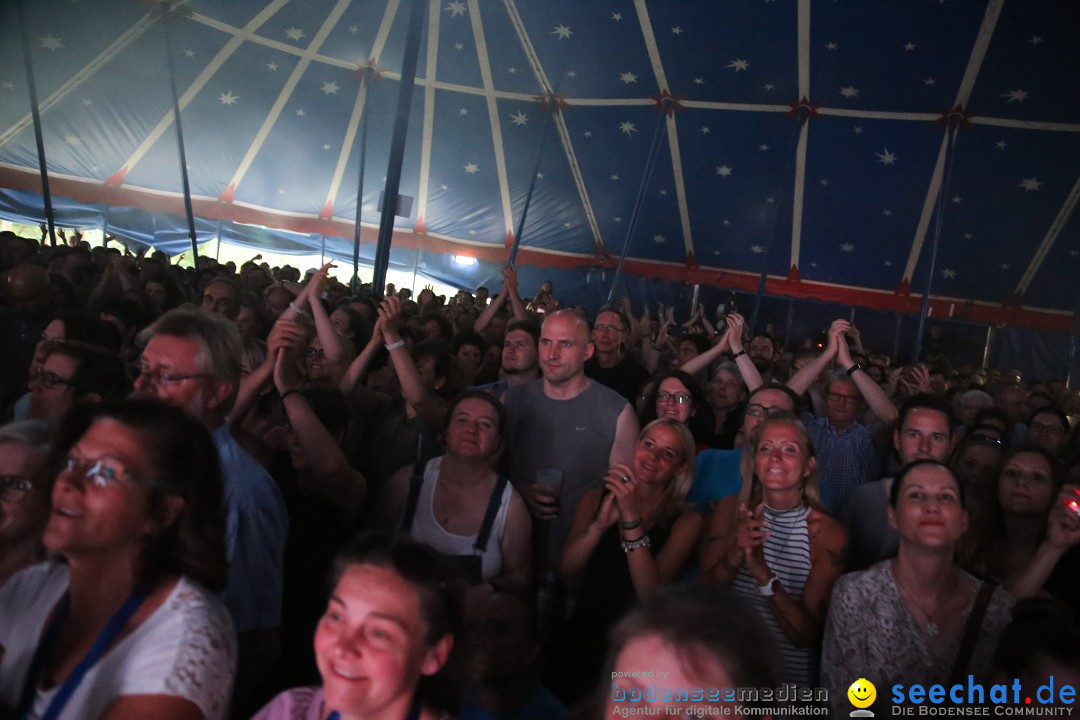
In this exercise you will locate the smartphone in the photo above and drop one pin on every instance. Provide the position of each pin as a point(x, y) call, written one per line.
point(1073, 503)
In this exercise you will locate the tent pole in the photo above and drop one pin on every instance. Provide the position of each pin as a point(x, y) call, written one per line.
point(790, 319)
point(179, 135)
point(694, 297)
point(397, 145)
point(939, 221)
point(650, 163)
point(35, 112)
point(990, 339)
point(355, 283)
point(548, 122)
point(322, 256)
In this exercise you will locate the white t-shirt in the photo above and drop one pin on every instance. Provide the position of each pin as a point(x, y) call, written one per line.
point(186, 648)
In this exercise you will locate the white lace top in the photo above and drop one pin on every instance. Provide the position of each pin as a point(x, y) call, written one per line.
point(186, 648)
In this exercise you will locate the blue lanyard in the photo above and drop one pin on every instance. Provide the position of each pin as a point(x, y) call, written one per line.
point(414, 712)
point(108, 634)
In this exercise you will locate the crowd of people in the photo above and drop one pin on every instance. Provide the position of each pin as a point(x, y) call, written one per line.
point(252, 492)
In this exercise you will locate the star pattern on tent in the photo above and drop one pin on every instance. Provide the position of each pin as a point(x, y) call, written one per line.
point(563, 31)
point(739, 64)
point(1015, 95)
point(472, 168)
point(849, 91)
point(699, 81)
point(847, 247)
point(886, 158)
point(354, 29)
point(571, 74)
point(830, 45)
point(87, 102)
point(627, 127)
point(459, 46)
point(189, 53)
point(73, 140)
point(705, 130)
point(723, 171)
point(271, 66)
point(628, 77)
point(957, 199)
point(909, 46)
point(726, 221)
point(857, 130)
point(615, 177)
point(539, 176)
point(770, 200)
point(676, 30)
point(969, 236)
point(617, 17)
point(8, 85)
point(472, 232)
point(568, 225)
point(325, 147)
point(824, 181)
point(1030, 184)
point(930, 81)
point(617, 219)
point(770, 86)
point(227, 98)
point(51, 43)
point(444, 187)
point(519, 118)
point(757, 249)
point(300, 112)
point(659, 239)
point(763, 148)
point(330, 88)
point(663, 192)
point(588, 133)
point(1001, 144)
point(886, 212)
point(1035, 39)
point(888, 263)
point(1074, 253)
point(948, 273)
point(455, 8)
point(1006, 266)
point(294, 33)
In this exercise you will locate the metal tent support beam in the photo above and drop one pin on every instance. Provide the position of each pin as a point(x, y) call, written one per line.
point(354, 284)
point(532, 181)
point(397, 144)
point(167, 12)
point(36, 114)
point(650, 163)
point(939, 222)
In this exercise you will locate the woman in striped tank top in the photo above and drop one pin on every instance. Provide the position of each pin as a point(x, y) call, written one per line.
point(784, 552)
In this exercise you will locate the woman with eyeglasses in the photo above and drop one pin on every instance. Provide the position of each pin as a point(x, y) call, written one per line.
point(630, 536)
point(124, 620)
point(919, 618)
point(675, 395)
point(24, 495)
point(1026, 536)
point(784, 553)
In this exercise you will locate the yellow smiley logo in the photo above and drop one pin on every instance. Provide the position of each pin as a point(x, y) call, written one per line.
point(862, 693)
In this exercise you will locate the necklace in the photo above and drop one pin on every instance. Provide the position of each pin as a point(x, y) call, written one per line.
point(932, 628)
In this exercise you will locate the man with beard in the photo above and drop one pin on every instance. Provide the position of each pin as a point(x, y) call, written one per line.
point(762, 352)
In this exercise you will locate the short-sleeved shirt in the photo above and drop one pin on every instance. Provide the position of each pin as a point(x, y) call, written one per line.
point(256, 525)
point(716, 476)
point(844, 460)
point(186, 648)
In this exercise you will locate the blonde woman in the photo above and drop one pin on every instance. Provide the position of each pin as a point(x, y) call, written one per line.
point(631, 535)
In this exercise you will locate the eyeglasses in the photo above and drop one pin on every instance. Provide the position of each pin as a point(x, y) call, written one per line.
point(157, 377)
point(314, 352)
point(14, 488)
point(759, 410)
point(607, 328)
point(985, 439)
point(102, 472)
point(845, 399)
point(49, 380)
point(680, 398)
point(1048, 429)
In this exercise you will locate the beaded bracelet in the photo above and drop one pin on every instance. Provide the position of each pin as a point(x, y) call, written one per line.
point(630, 546)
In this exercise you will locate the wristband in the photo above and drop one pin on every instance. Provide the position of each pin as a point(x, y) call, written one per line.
point(631, 524)
point(295, 309)
point(853, 368)
point(391, 346)
point(630, 546)
point(770, 587)
point(738, 355)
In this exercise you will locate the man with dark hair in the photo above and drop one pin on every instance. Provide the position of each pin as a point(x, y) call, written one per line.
point(192, 361)
point(762, 351)
point(73, 372)
point(520, 363)
point(222, 297)
point(846, 454)
point(923, 432)
point(609, 364)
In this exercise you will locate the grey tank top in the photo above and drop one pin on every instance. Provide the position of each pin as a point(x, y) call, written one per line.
point(574, 436)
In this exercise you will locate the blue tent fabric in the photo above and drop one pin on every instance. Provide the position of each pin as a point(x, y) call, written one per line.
point(803, 137)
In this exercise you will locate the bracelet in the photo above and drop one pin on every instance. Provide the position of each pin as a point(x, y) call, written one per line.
point(630, 546)
point(631, 524)
point(391, 346)
point(770, 587)
point(853, 368)
point(295, 309)
point(738, 355)
point(287, 393)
